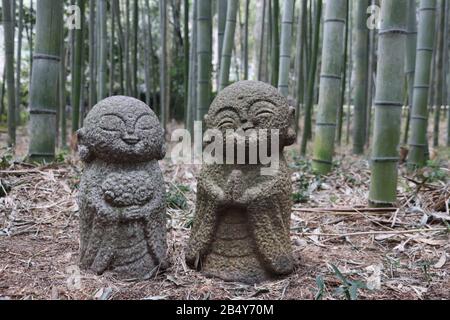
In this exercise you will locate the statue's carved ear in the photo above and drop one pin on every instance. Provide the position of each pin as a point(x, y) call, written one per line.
point(80, 136)
point(291, 112)
point(83, 150)
point(291, 134)
point(206, 119)
point(162, 151)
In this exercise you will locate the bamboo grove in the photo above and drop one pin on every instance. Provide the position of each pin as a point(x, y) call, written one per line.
point(369, 74)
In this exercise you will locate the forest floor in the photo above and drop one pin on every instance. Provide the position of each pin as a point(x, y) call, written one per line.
point(343, 249)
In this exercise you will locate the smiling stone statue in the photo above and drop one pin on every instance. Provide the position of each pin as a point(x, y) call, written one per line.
point(122, 193)
point(242, 221)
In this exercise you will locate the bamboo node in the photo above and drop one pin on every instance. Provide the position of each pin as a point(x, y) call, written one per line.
point(385, 159)
point(42, 56)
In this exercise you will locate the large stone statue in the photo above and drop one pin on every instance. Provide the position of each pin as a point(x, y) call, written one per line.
point(242, 221)
point(122, 193)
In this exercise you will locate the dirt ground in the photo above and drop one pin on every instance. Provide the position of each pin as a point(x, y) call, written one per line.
point(343, 249)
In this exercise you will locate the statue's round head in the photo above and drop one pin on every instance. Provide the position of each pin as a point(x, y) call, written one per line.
point(121, 129)
point(248, 105)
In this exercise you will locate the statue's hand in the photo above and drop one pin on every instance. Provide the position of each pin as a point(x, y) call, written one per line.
point(134, 213)
point(106, 213)
point(221, 197)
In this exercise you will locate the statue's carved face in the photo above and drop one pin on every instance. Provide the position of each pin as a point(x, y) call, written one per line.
point(122, 129)
point(251, 105)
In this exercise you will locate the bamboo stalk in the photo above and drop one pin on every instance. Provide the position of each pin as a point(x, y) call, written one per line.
point(419, 114)
point(19, 62)
point(8, 29)
point(247, 17)
point(275, 43)
point(285, 46)
point(311, 79)
point(92, 55)
point(203, 58)
point(228, 43)
point(440, 49)
point(388, 103)
point(103, 53)
point(330, 84)
point(410, 68)
point(360, 76)
point(299, 59)
point(222, 12)
point(163, 62)
point(44, 82)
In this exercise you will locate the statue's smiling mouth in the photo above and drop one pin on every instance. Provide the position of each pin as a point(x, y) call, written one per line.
point(130, 140)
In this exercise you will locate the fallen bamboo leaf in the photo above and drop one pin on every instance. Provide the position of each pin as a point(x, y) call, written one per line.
point(441, 262)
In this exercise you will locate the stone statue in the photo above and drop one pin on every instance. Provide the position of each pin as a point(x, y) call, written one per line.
point(122, 193)
point(242, 221)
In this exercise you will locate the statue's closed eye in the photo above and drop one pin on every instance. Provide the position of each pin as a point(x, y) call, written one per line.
point(263, 110)
point(226, 123)
point(144, 122)
point(227, 118)
point(112, 123)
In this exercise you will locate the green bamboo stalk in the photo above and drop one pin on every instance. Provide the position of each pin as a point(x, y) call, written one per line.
point(419, 114)
point(275, 42)
point(439, 74)
point(19, 62)
point(112, 64)
point(186, 57)
point(2, 92)
point(44, 82)
point(360, 76)
point(370, 80)
point(261, 41)
point(92, 55)
point(82, 98)
point(299, 63)
point(349, 78)
point(228, 43)
point(103, 51)
point(411, 44)
point(148, 54)
point(77, 71)
point(203, 58)
point(128, 81)
point(8, 29)
point(121, 38)
point(340, 117)
point(222, 12)
point(62, 95)
point(388, 103)
point(285, 47)
point(135, 47)
point(30, 39)
point(192, 96)
point(247, 17)
point(311, 78)
point(330, 84)
point(163, 61)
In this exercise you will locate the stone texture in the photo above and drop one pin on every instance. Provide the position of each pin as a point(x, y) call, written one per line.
point(242, 221)
point(122, 193)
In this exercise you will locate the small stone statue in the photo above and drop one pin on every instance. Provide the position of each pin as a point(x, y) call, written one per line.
point(241, 229)
point(122, 193)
